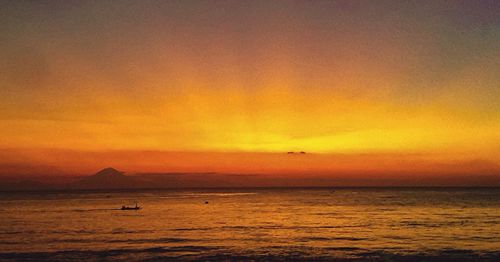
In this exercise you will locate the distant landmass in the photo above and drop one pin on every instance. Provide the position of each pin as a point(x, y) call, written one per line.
point(112, 179)
point(107, 178)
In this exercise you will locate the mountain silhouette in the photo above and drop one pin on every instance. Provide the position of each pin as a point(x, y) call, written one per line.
point(109, 178)
point(109, 172)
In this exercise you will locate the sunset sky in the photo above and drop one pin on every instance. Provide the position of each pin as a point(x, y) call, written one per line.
point(231, 86)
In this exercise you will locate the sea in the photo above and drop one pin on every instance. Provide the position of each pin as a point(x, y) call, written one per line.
point(261, 224)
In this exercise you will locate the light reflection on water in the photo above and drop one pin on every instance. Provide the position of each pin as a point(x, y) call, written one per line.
point(271, 222)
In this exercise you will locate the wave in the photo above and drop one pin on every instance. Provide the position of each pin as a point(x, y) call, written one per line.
point(219, 194)
point(151, 240)
point(189, 253)
point(268, 227)
point(307, 239)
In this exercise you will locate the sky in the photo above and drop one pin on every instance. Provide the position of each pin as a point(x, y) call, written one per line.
point(231, 86)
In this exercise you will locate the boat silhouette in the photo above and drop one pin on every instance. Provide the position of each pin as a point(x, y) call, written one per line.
point(131, 208)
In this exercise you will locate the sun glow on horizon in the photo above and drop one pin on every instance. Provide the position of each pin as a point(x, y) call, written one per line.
point(258, 78)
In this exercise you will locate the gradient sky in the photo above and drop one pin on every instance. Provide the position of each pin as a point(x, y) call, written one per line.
point(406, 81)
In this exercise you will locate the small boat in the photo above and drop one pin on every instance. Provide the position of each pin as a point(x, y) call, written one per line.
point(131, 208)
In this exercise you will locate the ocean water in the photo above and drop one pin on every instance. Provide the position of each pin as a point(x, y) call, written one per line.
point(409, 224)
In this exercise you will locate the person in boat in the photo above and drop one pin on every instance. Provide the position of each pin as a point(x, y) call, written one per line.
point(131, 208)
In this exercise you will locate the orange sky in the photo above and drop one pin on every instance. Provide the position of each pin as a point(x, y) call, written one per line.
point(231, 86)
